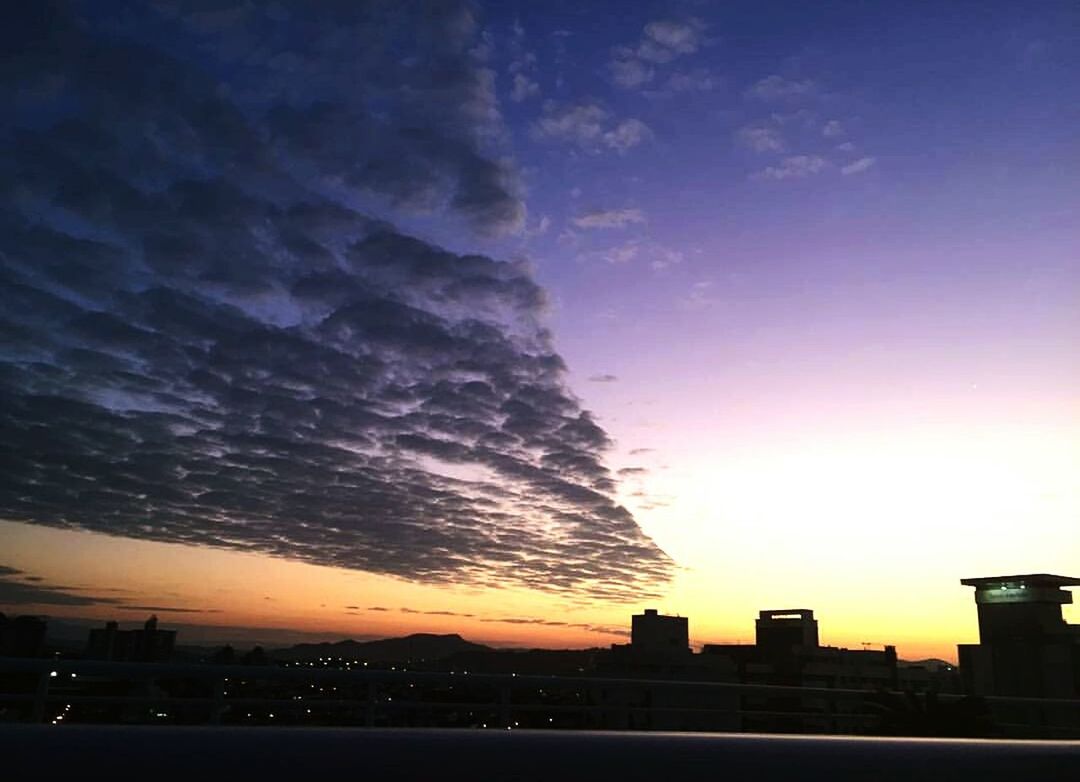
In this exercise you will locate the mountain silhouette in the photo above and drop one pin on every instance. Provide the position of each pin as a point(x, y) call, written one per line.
point(419, 646)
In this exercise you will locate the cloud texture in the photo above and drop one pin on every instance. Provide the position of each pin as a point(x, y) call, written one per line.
point(210, 339)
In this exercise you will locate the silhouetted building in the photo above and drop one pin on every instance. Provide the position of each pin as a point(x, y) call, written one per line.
point(146, 645)
point(659, 649)
point(780, 631)
point(1025, 646)
point(787, 652)
point(655, 632)
point(22, 636)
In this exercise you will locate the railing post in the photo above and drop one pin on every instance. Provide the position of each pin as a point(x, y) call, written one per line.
point(372, 695)
point(218, 706)
point(41, 694)
point(504, 706)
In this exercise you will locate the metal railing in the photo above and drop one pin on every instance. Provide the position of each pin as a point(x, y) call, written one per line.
point(44, 690)
point(41, 752)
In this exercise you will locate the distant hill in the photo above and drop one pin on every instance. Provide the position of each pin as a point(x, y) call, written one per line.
point(931, 664)
point(420, 646)
point(540, 662)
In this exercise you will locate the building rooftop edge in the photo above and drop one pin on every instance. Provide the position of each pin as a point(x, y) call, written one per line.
point(1043, 579)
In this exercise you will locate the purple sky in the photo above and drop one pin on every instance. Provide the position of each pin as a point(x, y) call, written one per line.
point(813, 274)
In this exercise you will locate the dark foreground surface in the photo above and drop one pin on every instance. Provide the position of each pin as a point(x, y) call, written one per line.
point(54, 752)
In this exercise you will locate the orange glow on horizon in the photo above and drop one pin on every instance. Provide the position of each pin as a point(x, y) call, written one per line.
point(234, 589)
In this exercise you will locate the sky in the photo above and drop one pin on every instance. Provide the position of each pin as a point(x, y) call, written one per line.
point(512, 319)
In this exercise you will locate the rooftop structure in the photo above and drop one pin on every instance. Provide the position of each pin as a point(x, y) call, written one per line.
point(1025, 647)
point(783, 629)
point(1021, 607)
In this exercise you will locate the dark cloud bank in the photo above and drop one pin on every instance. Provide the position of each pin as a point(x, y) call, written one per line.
point(207, 338)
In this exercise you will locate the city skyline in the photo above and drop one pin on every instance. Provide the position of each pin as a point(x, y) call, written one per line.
point(514, 319)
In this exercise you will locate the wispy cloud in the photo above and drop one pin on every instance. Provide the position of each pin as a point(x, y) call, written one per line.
point(590, 127)
point(859, 166)
point(661, 42)
point(523, 88)
point(609, 218)
point(833, 129)
point(657, 256)
point(21, 589)
point(603, 379)
point(627, 135)
point(794, 167)
point(623, 253)
point(761, 138)
point(523, 67)
point(172, 609)
point(628, 72)
point(531, 620)
point(697, 80)
point(776, 88)
point(700, 296)
point(433, 613)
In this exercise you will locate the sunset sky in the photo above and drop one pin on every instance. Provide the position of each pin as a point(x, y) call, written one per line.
point(512, 318)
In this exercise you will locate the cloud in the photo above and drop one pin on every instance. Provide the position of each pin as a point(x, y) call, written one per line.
point(761, 138)
point(172, 609)
point(523, 66)
point(778, 89)
point(603, 378)
point(523, 88)
point(15, 591)
point(663, 257)
point(657, 255)
point(627, 134)
point(582, 124)
point(661, 42)
point(589, 126)
point(623, 253)
point(530, 620)
point(700, 297)
point(537, 227)
point(214, 336)
point(666, 39)
point(795, 167)
point(434, 613)
point(641, 451)
point(629, 72)
point(698, 80)
point(833, 129)
point(609, 218)
point(858, 166)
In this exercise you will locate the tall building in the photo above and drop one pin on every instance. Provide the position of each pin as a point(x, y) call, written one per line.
point(146, 645)
point(22, 636)
point(1025, 646)
point(655, 632)
point(780, 630)
point(659, 648)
